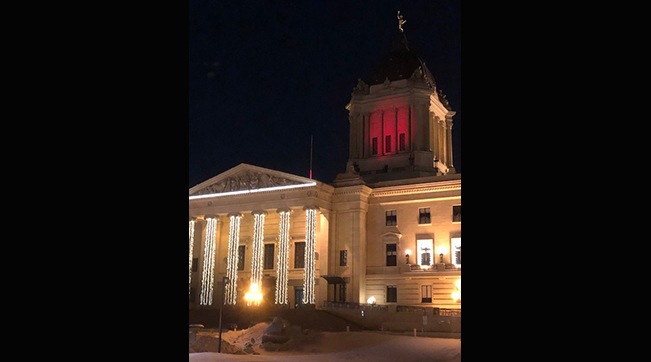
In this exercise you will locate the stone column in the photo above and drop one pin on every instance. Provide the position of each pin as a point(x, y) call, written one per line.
point(410, 127)
point(282, 268)
point(435, 136)
point(352, 138)
point(367, 135)
point(191, 238)
point(208, 270)
point(231, 265)
point(258, 248)
point(310, 250)
point(449, 161)
point(397, 134)
point(441, 136)
point(381, 140)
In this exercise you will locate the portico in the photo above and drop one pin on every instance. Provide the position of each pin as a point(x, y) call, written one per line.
point(255, 225)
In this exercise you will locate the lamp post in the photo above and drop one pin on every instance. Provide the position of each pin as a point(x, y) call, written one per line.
point(407, 252)
point(221, 306)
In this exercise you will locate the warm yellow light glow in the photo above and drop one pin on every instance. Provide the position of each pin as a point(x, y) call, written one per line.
point(442, 250)
point(371, 300)
point(253, 296)
point(407, 252)
point(456, 295)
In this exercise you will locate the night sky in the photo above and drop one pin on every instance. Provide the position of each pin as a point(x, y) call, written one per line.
point(265, 75)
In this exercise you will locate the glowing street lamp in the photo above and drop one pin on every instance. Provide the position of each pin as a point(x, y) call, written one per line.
point(253, 296)
point(407, 253)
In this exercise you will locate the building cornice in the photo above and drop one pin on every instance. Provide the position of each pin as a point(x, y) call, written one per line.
point(441, 186)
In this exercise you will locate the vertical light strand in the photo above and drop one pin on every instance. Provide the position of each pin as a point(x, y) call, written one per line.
point(283, 259)
point(258, 249)
point(231, 266)
point(310, 237)
point(208, 276)
point(191, 247)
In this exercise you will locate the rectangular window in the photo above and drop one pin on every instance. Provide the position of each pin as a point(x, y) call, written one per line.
point(391, 218)
point(425, 251)
point(392, 294)
point(426, 293)
point(341, 294)
point(195, 265)
point(299, 255)
point(392, 255)
point(387, 146)
point(193, 293)
point(343, 257)
point(456, 251)
point(402, 142)
point(374, 146)
point(268, 256)
point(424, 216)
point(240, 257)
point(456, 213)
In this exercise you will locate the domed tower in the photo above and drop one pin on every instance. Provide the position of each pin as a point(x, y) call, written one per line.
point(400, 123)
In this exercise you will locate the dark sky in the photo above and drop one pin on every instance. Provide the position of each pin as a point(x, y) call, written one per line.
point(265, 75)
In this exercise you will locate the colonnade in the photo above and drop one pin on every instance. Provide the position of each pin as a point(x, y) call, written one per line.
point(257, 255)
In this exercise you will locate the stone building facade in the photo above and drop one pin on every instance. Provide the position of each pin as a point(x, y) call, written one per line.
point(387, 231)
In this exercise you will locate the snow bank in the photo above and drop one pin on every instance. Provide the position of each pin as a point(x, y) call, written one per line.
point(359, 346)
point(210, 343)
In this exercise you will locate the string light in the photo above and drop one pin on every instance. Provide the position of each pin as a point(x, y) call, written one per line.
point(258, 249)
point(191, 246)
point(266, 189)
point(283, 259)
point(310, 238)
point(232, 260)
point(208, 277)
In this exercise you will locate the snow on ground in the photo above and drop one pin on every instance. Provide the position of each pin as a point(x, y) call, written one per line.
point(343, 346)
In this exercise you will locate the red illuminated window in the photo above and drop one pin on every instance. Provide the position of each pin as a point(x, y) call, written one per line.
point(374, 150)
point(388, 144)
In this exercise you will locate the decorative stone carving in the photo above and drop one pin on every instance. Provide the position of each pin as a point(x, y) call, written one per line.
point(361, 87)
point(443, 99)
point(246, 181)
point(417, 76)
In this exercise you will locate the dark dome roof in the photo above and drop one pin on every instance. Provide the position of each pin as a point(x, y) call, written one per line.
point(400, 63)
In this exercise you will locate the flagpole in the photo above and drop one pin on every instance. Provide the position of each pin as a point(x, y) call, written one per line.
point(311, 146)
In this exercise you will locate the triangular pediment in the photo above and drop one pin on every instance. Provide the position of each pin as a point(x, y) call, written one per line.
point(246, 177)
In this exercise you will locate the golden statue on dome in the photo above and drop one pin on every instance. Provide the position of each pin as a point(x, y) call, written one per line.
point(401, 20)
